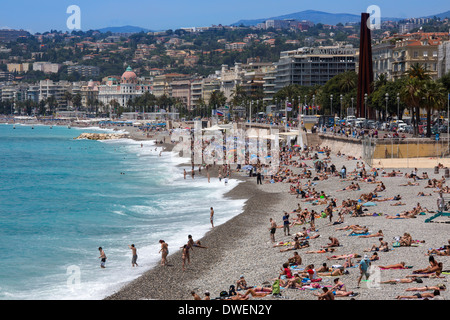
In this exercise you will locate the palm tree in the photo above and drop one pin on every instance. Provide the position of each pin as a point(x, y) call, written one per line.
point(411, 93)
point(435, 95)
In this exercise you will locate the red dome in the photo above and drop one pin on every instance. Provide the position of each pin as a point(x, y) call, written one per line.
point(129, 74)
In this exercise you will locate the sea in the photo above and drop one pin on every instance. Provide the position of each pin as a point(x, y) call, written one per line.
point(61, 199)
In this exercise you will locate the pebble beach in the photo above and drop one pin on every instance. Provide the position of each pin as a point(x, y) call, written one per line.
point(242, 245)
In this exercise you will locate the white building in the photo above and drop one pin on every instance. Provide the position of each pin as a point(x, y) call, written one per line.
point(127, 89)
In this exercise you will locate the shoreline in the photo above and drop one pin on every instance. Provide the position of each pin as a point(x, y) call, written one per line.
point(241, 246)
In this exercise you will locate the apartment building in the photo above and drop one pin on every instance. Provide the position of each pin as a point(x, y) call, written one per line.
point(382, 59)
point(84, 71)
point(313, 66)
point(418, 48)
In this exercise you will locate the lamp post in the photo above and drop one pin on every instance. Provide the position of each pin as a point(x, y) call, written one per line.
point(398, 106)
point(331, 109)
point(365, 105)
point(314, 101)
point(353, 111)
point(387, 100)
point(340, 112)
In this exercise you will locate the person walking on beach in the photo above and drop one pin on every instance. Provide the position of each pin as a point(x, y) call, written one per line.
point(364, 269)
point(211, 217)
point(134, 258)
point(102, 257)
point(273, 228)
point(164, 252)
point(286, 223)
point(184, 173)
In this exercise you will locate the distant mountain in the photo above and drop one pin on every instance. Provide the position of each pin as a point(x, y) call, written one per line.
point(314, 16)
point(441, 15)
point(124, 29)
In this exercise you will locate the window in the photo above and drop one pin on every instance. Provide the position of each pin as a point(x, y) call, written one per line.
point(425, 54)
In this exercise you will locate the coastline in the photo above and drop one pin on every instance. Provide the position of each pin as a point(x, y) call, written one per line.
point(242, 246)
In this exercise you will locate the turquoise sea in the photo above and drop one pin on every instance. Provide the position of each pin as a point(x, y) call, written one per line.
point(61, 199)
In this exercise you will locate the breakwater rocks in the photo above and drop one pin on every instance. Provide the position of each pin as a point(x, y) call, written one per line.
point(101, 136)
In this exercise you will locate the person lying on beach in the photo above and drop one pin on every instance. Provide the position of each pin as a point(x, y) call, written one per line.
point(344, 256)
point(400, 265)
point(333, 273)
point(354, 227)
point(440, 287)
point(361, 232)
point(378, 234)
point(440, 252)
point(434, 275)
point(421, 194)
point(417, 296)
point(409, 183)
point(397, 204)
point(395, 198)
point(393, 174)
point(406, 280)
point(324, 250)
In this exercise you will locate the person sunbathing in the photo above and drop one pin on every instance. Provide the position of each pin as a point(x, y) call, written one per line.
point(334, 243)
point(324, 250)
point(440, 287)
point(360, 232)
point(378, 234)
point(433, 267)
point(400, 265)
point(418, 296)
point(439, 252)
point(395, 198)
point(332, 273)
point(384, 246)
point(406, 280)
point(344, 256)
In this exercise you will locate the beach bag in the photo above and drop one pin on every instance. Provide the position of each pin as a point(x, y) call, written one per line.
point(276, 287)
point(223, 294)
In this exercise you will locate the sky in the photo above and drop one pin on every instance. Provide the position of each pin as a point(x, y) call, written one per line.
point(45, 15)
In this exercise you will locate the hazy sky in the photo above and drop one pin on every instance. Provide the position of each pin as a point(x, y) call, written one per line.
point(41, 16)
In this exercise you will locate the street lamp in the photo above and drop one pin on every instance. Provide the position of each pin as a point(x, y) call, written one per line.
point(340, 112)
point(353, 111)
point(387, 99)
point(331, 99)
point(365, 105)
point(398, 106)
point(314, 101)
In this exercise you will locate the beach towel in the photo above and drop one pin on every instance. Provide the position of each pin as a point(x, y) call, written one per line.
point(369, 204)
point(360, 234)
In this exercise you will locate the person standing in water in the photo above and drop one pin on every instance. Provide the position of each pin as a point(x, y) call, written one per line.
point(164, 252)
point(134, 258)
point(102, 257)
point(211, 217)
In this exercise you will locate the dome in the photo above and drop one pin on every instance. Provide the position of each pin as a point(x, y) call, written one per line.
point(129, 75)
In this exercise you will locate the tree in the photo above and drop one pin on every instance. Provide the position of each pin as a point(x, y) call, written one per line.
point(435, 95)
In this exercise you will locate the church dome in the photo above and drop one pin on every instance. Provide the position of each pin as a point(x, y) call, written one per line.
point(129, 75)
